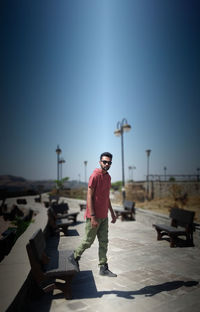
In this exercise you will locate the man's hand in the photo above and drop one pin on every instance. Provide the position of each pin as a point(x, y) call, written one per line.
point(94, 222)
point(113, 216)
point(114, 219)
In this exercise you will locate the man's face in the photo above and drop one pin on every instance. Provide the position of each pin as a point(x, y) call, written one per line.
point(105, 163)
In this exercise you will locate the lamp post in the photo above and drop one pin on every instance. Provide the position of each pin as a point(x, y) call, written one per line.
point(129, 167)
point(198, 169)
point(165, 169)
point(61, 161)
point(148, 151)
point(85, 163)
point(122, 127)
point(58, 152)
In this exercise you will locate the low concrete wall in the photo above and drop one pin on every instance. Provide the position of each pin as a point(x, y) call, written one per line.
point(160, 189)
point(15, 268)
point(17, 286)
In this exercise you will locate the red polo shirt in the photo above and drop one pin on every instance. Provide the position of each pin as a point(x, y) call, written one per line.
point(100, 183)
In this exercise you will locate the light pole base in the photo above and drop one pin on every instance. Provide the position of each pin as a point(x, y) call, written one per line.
point(123, 196)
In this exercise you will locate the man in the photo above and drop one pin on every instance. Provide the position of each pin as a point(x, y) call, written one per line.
point(98, 204)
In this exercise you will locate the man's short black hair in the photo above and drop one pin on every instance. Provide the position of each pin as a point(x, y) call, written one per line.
point(107, 155)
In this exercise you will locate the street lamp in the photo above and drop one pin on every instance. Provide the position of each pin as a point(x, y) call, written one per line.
point(148, 155)
point(85, 163)
point(198, 169)
point(58, 152)
point(165, 169)
point(122, 127)
point(131, 168)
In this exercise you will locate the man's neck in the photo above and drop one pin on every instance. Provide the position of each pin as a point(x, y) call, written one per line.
point(103, 171)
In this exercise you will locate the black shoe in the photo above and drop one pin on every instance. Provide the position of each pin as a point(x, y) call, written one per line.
point(74, 260)
point(104, 271)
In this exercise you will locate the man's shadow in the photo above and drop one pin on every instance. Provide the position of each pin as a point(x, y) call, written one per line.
point(84, 287)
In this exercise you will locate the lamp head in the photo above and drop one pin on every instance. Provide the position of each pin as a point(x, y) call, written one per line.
point(58, 150)
point(148, 152)
point(117, 132)
point(126, 127)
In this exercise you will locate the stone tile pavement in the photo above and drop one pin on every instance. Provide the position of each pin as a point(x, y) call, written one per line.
point(151, 275)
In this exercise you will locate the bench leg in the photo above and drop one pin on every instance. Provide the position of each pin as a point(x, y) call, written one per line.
point(117, 215)
point(159, 236)
point(122, 217)
point(65, 287)
point(64, 229)
point(189, 239)
point(132, 216)
point(172, 241)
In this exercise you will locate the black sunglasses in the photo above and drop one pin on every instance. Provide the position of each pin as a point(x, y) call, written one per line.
point(106, 162)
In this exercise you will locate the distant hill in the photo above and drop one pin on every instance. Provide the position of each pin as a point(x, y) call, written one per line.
point(14, 184)
point(10, 178)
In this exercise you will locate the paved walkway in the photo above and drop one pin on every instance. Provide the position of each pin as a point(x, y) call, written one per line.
point(151, 275)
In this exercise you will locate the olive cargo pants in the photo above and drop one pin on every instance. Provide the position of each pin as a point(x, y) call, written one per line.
point(90, 234)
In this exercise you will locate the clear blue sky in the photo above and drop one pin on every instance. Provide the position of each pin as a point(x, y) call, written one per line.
point(70, 70)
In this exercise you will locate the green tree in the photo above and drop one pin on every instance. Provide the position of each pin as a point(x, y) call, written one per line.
point(60, 183)
point(116, 185)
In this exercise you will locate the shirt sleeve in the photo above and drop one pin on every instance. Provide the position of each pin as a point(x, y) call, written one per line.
point(92, 182)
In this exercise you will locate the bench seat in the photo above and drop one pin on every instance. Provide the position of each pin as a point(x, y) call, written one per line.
point(69, 216)
point(58, 264)
point(63, 222)
point(125, 214)
point(171, 229)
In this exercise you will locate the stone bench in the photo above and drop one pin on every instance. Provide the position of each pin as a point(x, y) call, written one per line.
point(47, 266)
point(127, 212)
point(57, 225)
point(62, 212)
point(181, 225)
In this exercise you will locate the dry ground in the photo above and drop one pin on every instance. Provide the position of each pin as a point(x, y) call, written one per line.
point(163, 205)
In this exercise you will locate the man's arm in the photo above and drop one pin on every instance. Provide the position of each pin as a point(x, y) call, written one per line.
point(114, 218)
point(90, 195)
